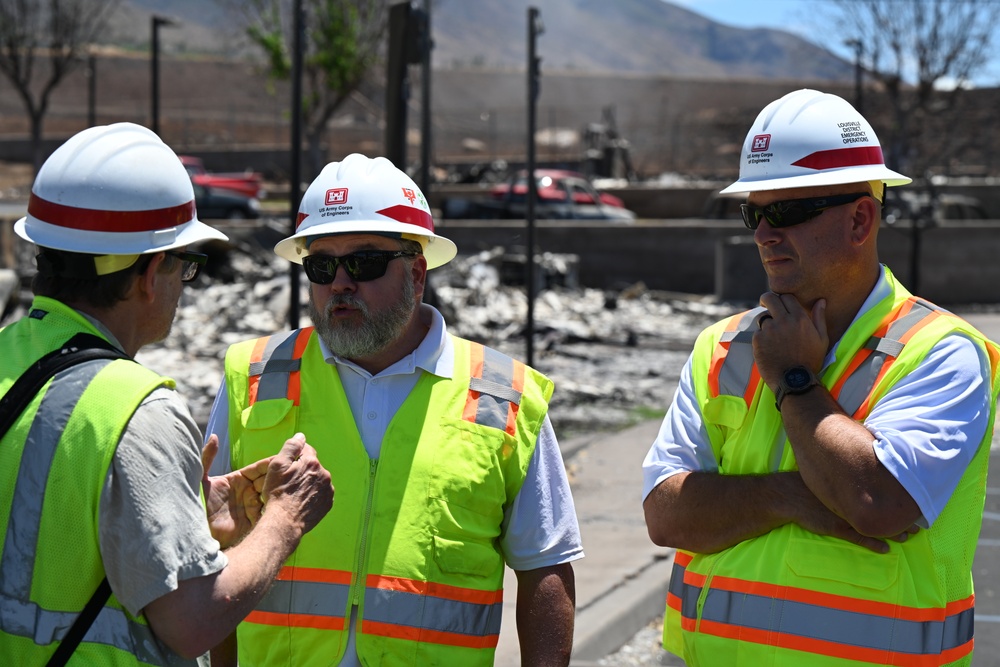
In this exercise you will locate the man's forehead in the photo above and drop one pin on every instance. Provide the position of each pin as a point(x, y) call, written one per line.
point(768, 196)
point(352, 240)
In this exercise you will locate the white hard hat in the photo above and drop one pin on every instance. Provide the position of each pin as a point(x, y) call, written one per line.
point(362, 195)
point(113, 190)
point(808, 138)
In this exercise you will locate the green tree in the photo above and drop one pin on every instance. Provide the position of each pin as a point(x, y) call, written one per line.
point(41, 41)
point(342, 42)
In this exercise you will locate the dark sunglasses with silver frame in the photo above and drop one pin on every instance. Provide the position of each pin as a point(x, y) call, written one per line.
point(361, 266)
point(193, 261)
point(792, 212)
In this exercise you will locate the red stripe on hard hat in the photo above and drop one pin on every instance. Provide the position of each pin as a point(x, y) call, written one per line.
point(842, 157)
point(409, 215)
point(93, 220)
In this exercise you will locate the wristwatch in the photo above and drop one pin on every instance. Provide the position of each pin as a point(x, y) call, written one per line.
point(796, 380)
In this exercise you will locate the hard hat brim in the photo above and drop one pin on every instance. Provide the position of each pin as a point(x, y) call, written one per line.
point(437, 249)
point(57, 237)
point(829, 177)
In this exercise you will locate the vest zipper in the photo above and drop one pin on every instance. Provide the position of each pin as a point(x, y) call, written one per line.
point(363, 547)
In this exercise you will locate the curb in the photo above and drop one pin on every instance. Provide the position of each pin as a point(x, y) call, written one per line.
point(608, 623)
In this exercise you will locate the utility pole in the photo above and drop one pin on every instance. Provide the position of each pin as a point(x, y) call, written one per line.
point(859, 52)
point(535, 28)
point(157, 23)
point(295, 172)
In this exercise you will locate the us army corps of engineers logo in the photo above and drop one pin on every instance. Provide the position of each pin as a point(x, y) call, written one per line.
point(336, 203)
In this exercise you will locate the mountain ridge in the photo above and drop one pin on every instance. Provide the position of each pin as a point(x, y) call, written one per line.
point(650, 37)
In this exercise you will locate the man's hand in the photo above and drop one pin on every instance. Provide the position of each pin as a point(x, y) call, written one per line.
point(297, 484)
point(232, 501)
point(789, 336)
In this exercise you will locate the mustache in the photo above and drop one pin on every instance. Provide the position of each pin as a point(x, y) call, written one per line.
point(349, 300)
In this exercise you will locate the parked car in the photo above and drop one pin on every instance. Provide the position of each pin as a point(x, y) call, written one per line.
point(562, 194)
point(247, 183)
point(224, 204)
point(902, 204)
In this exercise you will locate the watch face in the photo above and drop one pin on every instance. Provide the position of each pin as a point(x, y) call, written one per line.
point(797, 378)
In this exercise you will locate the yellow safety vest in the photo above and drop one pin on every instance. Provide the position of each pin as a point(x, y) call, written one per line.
point(53, 463)
point(412, 537)
point(791, 597)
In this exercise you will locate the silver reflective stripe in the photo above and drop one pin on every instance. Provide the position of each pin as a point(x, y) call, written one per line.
point(111, 628)
point(856, 388)
point(17, 563)
point(849, 628)
point(686, 593)
point(306, 597)
point(508, 394)
point(23, 618)
point(737, 367)
point(432, 613)
point(276, 363)
point(494, 403)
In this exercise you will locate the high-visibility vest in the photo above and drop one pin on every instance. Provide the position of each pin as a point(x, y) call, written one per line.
point(53, 463)
point(412, 536)
point(791, 597)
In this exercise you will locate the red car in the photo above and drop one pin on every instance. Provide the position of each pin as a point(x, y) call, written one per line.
point(564, 194)
point(248, 183)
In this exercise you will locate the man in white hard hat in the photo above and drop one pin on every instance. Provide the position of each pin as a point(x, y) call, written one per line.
point(107, 556)
point(822, 468)
point(441, 450)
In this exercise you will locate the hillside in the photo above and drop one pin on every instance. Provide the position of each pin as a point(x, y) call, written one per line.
point(594, 36)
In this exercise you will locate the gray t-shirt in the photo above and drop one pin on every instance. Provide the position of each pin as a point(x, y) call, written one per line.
point(152, 524)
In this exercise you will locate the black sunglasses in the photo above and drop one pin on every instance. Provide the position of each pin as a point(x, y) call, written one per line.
point(193, 261)
point(794, 211)
point(361, 266)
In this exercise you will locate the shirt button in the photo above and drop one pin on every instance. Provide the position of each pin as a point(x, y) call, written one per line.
point(372, 415)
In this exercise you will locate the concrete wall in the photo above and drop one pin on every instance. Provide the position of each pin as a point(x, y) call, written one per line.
point(958, 260)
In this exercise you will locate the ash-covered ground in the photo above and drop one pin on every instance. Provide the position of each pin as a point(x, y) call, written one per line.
point(614, 356)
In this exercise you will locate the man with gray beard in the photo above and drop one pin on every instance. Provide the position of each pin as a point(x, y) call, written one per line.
point(444, 460)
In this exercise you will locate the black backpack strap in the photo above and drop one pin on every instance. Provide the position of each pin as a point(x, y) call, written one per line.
point(83, 622)
point(81, 347)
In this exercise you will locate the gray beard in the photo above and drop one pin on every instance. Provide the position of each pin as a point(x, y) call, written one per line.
point(374, 334)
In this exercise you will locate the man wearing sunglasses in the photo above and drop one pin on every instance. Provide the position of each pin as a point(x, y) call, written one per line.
point(821, 471)
point(444, 460)
point(106, 556)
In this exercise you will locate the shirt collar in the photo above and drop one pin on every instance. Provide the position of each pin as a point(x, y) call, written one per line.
point(435, 353)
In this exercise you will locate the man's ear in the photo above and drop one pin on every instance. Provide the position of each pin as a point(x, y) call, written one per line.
point(146, 282)
point(866, 219)
point(419, 273)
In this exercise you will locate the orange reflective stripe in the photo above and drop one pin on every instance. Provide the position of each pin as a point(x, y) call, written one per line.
point(832, 649)
point(294, 377)
point(445, 591)
point(296, 620)
point(425, 635)
point(824, 623)
point(905, 338)
point(719, 357)
point(518, 384)
point(834, 601)
point(752, 385)
point(258, 352)
point(476, 371)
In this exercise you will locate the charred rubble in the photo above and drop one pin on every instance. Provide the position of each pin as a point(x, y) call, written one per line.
point(614, 355)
